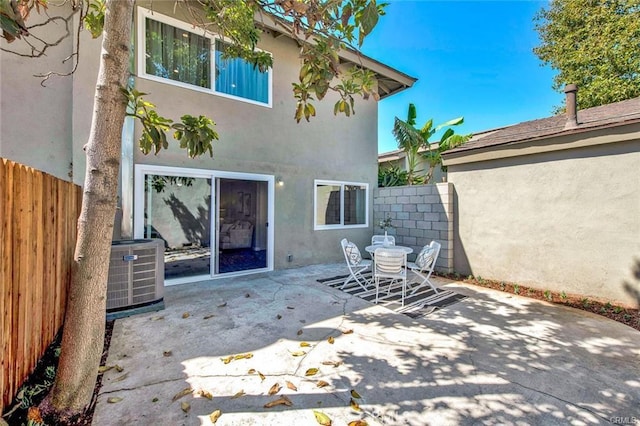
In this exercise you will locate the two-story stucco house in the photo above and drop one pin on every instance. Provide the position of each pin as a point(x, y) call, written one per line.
point(276, 194)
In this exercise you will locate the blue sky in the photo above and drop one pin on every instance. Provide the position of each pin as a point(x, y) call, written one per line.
point(472, 59)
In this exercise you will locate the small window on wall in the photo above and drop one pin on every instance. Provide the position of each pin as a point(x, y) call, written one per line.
point(177, 53)
point(340, 205)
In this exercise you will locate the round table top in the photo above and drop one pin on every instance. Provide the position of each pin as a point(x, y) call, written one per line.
point(372, 248)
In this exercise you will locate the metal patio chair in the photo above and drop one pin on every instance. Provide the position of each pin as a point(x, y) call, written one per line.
point(356, 264)
point(424, 264)
point(390, 264)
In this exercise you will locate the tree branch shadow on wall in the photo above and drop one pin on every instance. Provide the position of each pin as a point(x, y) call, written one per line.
point(634, 288)
point(197, 229)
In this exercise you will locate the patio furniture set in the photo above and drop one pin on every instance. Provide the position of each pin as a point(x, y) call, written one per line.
point(389, 265)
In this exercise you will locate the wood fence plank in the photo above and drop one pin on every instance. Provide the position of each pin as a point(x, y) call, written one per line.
point(38, 218)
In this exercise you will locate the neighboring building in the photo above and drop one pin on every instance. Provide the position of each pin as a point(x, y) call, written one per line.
point(553, 203)
point(398, 158)
point(291, 191)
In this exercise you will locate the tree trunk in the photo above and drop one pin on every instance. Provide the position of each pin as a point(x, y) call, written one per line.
point(84, 325)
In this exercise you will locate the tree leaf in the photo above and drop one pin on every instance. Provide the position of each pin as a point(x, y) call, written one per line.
point(332, 363)
point(322, 418)
point(331, 340)
point(114, 400)
point(274, 389)
point(205, 394)
point(354, 405)
point(304, 344)
point(350, 331)
point(322, 384)
point(355, 394)
point(298, 353)
point(300, 332)
point(358, 423)
point(215, 416)
point(208, 316)
point(311, 372)
point(238, 394)
point(291, 386)
point(183, 392)
point(283, 400)
point(185, 406)
point(185, 315)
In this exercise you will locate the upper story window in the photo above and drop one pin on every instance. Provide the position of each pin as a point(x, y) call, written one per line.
point(340, 205)
point(174, 52)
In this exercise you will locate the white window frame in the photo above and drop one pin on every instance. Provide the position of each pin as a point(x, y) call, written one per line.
point(142, 52)
point(342, 184)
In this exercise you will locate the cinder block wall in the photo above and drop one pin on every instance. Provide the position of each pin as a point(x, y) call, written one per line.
point(419, 214)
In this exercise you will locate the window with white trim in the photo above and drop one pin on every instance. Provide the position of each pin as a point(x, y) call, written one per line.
point(173, 52)
point(340, 205)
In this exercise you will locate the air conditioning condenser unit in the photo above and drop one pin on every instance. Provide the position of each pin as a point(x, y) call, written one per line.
point(136, 277)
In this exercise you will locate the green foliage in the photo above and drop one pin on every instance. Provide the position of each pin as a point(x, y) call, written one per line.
point(416, 145)
point(194, 134)
point(94, 18)
point(563, 296)
point(586, 302)
point(391, 176)
point(593, 44)
point(548, 295)
point(516, 289)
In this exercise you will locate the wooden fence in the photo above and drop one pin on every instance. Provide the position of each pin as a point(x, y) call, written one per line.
point(38, 217)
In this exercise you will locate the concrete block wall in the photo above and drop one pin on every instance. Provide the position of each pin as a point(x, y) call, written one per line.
point(419, 215)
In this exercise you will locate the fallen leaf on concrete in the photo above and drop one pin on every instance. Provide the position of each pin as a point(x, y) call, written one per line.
point(355, 394)
point(251, 371)
point(275, 389)
point(280, 401)
point(215, 416)
point(186, 315)
point(120, 378)
point(230, 358)
point(322, 418)
point(347, 331)
point(354, 405)
point(155, 399)
point(305, 344)
point(238, 394)
point(204, 393)
point(298, 353)
point(291, 386)
point(183, 392)
point(358, 423)
point(167, 353)
point(223, 305)
point(290, 307)
point(279, 316)
point(322, 383)
point(185, 406)
point(331, 340)
point(118, 368)
point(208, 316)
point(157, 318)
point(311, 372)
point(332, 363)
point(299, 332)
point(114, 399)
point(104, 368)
point(261, 376)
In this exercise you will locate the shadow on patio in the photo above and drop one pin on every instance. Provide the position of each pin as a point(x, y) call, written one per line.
point(491, 358)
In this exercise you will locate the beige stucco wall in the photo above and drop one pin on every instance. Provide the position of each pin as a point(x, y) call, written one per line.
point(35, 121)
point(257, 139)
point(565, 221)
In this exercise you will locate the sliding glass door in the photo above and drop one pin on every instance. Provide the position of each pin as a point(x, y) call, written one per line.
point(212, 223)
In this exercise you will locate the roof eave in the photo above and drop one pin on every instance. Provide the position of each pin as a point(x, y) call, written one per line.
point(390, 80)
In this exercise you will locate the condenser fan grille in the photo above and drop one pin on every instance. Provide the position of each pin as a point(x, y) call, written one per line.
point(136, 273)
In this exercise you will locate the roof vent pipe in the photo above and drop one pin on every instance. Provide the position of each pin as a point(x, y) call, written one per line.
point(571, 105)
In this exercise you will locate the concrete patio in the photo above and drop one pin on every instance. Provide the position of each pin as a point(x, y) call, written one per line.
point(492, 358)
